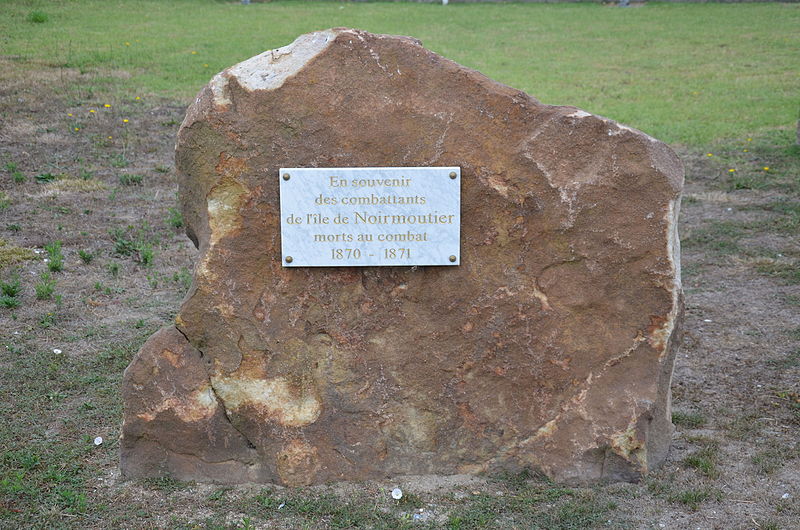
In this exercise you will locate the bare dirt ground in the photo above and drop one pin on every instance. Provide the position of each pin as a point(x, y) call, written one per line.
point(100, 180)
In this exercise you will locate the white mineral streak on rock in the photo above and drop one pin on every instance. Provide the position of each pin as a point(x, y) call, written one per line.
point(579, 114)
point(660, 337)
point(219, 84)
point(273, 396)
point(269, 70)
point(614, 360)
point(542, 298)
point(200, 405)
point(616, 129)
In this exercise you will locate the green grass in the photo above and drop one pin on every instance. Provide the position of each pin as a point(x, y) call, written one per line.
point(86, 256)
point(130, 180)
point(40, 479)
point(692, 497)
point(767, 161)
point(705, 459)
point(687, 74)
point(12, 255)
point(769, 460)
point(790, 360)
point(719, 237)
point(690, 420)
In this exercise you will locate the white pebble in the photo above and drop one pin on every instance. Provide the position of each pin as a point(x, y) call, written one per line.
point(98, 440)
point(397, 494)
point(785, 496)
point(707, 320)
point(56, 351)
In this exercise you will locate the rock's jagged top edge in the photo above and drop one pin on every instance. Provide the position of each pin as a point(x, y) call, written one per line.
point(269, 70)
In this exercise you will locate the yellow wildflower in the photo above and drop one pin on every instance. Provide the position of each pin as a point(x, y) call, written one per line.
point(125, 120)
point(91, 110)
point(107, 106)
point(69, 114)
point(731, 170)
point(709, 154)
point(766, 168)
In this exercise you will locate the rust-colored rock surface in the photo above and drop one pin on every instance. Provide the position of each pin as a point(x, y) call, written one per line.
point(550, 347)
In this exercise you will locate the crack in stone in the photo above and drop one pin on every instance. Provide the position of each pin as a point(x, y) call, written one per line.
point(217, 397)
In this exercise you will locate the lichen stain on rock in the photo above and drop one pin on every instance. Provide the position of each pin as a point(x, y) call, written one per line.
point(628, 445)
point(658, 332)
point(546, 430)
point(173, 358)
point(197, 406)
point(297, 463)
point(275, 399)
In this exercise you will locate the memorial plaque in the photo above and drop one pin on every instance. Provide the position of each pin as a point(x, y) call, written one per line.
point(370, 216)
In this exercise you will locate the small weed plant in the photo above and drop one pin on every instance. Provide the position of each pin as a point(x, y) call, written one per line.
point(119, 160)
point(174, 218)
point(12, 287)
point(130, 180)
point(9, 302)
point(44, 178)
point(134, 243)
point(37, 17)
point(85, 256)
point(55, 256)
point(45, 287)
point(16, 174)
point(10, 290)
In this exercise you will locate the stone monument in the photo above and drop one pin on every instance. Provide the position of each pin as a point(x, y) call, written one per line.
point(541, 335)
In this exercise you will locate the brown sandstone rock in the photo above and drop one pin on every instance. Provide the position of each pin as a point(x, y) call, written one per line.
point(551, 346)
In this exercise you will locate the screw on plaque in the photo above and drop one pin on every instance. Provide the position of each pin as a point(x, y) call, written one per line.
point(289, 259)
point(453, 174)
point(452, 259)
point(286, 176)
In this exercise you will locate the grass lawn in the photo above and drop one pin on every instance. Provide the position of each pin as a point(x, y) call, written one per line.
point(688, 74)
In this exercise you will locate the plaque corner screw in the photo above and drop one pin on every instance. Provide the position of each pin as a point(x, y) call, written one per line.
point(289, 259)
point(286, 176)
point(453, 175)
point(452, 259)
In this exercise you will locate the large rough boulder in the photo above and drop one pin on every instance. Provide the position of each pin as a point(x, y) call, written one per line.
point(549, 347)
